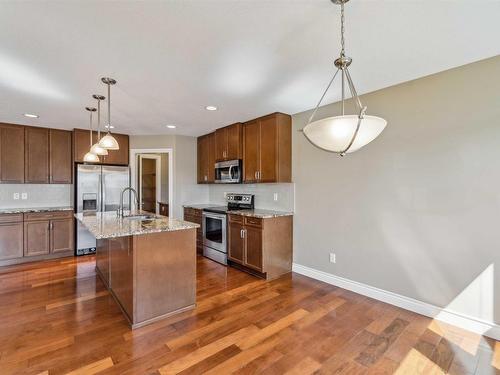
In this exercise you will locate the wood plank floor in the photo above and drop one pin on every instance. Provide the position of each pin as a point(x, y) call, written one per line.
point(56, 317)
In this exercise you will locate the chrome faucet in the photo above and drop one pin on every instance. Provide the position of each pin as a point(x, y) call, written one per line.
point(120, 209)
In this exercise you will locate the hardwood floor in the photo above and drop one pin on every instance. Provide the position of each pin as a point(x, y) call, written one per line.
point(56, 317)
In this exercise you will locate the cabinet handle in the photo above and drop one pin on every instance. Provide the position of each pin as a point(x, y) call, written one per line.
point(255, 174)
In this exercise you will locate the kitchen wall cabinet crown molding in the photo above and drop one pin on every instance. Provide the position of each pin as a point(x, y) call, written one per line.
point(81, 145)
point(37, 155)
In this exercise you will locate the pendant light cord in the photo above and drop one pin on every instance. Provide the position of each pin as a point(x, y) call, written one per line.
point(98, 120)
point(109, 107)
point(90, 129)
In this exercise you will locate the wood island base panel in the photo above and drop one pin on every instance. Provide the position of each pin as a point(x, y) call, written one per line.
point(151, 276)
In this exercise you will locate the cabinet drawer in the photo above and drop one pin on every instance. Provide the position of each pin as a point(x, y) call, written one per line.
point(11, 218)
point(236, 219)
point(34, 216)
point(254, 221)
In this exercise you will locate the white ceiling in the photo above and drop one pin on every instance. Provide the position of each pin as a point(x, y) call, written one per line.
point(248, 57)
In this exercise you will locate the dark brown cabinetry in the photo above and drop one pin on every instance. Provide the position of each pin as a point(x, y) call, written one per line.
point(194, 215)
point(121, 252)
point(36, 155)
point(267, 151)
point(11, 153)
point(11, 236)
point(229, 142)
point(206, 159)
point(60, 157)
point(261, 246)
point(48, 233)
point(81, 145)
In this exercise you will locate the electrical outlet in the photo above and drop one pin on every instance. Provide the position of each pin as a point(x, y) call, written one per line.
point(275, 197)
point(333, 258)
point(16, 196)
point(24, 196)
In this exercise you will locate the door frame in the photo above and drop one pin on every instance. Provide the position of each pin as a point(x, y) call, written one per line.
point(133, 169)
point(156, 157)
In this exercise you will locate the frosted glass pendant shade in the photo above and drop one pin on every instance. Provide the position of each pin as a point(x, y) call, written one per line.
point(109, 142)
point(98, 150)
point(91, 158)
point(334, 134)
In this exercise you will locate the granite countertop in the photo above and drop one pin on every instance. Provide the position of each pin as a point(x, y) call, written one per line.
point(34, 209)
point(257, 212)
point(109, 225)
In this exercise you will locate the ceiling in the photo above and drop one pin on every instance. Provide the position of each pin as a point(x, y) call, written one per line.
point(247, 57)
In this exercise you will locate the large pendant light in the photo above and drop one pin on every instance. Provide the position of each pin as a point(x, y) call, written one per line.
point(108, 141)
point(90, 157)
point(345, 133)
point(96, 148)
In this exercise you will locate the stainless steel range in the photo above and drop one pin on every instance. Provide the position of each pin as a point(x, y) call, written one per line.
point(214, 225)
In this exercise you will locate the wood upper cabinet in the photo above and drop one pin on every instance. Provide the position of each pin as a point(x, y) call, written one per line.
point(228, 142)
point(81, 145)
point(60, 157)
point(206, 158)
point(11, 236)
point(267, 149)
point(36, 155)
point(11, 153)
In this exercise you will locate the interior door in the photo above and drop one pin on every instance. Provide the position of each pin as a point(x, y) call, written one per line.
point(149, 182)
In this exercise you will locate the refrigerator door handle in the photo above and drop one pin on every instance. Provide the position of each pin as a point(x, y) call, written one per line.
point(102, 195)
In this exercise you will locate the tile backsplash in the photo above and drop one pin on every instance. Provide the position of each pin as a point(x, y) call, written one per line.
point(264, 195)
point(36, 195)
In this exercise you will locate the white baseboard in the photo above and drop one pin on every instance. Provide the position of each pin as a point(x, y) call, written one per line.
point(469, 323)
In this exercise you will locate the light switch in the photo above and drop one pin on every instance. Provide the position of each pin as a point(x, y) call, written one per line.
point(16, 196)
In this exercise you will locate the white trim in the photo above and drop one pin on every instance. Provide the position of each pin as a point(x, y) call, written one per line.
point(469, 323)
point(133, 170)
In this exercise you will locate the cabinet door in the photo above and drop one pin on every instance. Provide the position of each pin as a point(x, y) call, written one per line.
point(60, 157)
point(251, 151)
point(211, 158)
point(122, 272)
point(221, 144)
point(234, 142)
point(36, 238)
point(118, 157)
point(11, 240)
point(268, 150)
point(202, 159)
point(36, 155)
point(236, 243)
point(11, 153)
point(253, 255)
point(81, 143)
point(61, 235)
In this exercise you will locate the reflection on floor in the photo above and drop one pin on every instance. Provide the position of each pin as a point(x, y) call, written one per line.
point(57, 317)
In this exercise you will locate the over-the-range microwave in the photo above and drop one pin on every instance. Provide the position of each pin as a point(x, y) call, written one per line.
point(228, 172)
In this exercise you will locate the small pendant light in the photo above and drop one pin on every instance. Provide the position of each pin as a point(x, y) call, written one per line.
point(90, 157)
point(108, 141)
point(96, 149)
point(346, 133)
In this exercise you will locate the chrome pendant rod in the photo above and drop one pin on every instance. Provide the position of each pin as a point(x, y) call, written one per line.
point(354, 93)
point(322, 97)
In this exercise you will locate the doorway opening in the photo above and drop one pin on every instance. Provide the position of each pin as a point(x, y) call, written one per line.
point(152, 179)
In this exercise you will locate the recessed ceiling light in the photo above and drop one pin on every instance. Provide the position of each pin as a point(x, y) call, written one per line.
point(171, 126)
point(109, 127)
point(31, 115)
point(211, 108)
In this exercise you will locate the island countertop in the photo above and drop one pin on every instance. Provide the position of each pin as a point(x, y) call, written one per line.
point(108, 225)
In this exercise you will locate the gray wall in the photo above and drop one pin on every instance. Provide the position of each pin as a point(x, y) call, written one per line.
point(185, 188)
point(417, 211)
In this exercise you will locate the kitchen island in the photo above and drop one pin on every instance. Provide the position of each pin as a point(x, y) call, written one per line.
point(147, 262)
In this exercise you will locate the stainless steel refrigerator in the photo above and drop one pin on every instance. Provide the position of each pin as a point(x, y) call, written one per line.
point(97, 189)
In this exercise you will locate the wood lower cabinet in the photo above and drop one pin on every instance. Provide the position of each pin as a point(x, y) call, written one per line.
point(60, 157)
point(11, 236)
point(261, 246)
point(267, 149)
point(11, 153)
point(36, 155)
point(194, 215)
point(48, 233)
point(81, 145)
